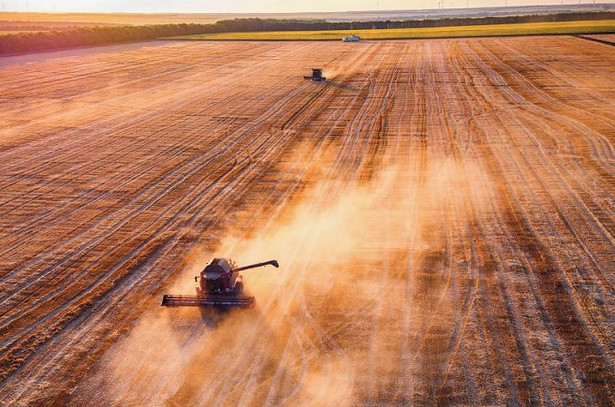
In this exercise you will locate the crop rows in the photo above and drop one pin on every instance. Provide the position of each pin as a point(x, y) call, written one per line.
point(443, 212)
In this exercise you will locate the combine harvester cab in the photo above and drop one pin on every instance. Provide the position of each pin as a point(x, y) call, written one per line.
point(221, 285)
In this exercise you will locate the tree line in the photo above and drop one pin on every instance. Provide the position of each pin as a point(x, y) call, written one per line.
point(103, 35)
point(256, 24)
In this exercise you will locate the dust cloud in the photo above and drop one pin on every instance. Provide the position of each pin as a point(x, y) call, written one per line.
point(317, 317)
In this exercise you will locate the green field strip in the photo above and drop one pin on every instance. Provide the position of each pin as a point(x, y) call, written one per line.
point(548, 28)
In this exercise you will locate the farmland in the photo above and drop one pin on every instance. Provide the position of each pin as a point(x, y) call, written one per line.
point(487, 30)
point(443, 212)
point(109, 18)
point(13, 32)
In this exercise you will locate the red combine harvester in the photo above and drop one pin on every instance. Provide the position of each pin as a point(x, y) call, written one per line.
point(221, 285)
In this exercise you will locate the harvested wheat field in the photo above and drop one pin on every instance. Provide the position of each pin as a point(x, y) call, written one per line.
point(443, 212)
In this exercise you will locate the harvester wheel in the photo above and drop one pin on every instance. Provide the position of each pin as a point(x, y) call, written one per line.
point(238, 287)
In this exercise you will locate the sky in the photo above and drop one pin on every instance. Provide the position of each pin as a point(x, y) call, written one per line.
point(259, 6)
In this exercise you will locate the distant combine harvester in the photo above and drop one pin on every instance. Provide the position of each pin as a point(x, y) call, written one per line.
point(351, 38)
point(316, 75)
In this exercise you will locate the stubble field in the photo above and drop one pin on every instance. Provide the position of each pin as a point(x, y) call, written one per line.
point(443, 212)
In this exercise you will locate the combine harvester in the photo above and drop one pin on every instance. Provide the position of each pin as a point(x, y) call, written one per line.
point(221, 286)
point(316, 75)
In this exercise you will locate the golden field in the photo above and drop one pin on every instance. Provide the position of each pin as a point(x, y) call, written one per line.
point(443, 212)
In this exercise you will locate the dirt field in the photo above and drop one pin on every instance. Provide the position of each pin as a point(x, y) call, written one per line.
point(443, 212)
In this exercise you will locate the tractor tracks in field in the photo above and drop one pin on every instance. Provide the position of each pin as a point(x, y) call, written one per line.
point(457, 216)
point(291, 292)
point(482, 181)
point(74, 138)
point(293, 342)
point(283, 191)
point(598, 40)
point(576, 190)
point(300, 115)
point(166, 63)
point(263, 150)
point(496, 317)
point(187, 170)
point(496, 280)
point(108, 187)
point(545, 269)
point(152, 162)
point(235, 174)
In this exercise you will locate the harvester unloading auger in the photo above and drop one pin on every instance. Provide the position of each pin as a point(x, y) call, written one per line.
point(220, 285)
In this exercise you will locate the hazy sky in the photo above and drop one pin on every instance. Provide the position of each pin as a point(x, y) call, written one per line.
point(257, 6)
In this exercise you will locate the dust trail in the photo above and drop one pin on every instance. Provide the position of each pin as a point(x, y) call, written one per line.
point(289, 349)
